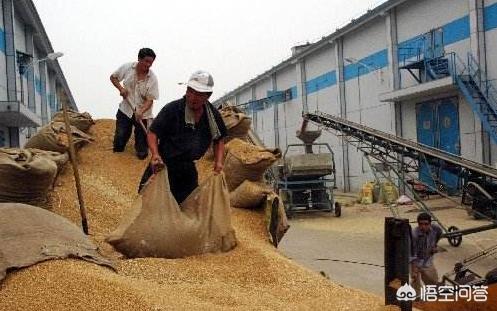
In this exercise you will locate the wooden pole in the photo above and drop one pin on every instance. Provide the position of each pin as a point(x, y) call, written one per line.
point(72, 157)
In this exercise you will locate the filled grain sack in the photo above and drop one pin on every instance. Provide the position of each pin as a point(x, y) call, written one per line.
point(53, 137)
point(59, 158)
point(157, 226)
point(29, 235)
point(237, 123)
point(249, 194)
point(245, 161)
point(25, 176)
point(276, 220)
point(81, 120)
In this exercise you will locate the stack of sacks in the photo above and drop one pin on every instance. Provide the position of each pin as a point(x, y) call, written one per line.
point(27, 175)
point(237, 123)
point(82, 121)
point(238, 126)
point(250, 194)
point(245, 161)
point(244, 166)
point(53, 137)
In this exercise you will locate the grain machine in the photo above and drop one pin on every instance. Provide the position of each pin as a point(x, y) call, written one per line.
point(307, 175)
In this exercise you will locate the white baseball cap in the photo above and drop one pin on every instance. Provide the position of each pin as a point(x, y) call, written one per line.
point(201, 81)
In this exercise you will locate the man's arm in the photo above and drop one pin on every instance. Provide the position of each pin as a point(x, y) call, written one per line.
point(153, 145)
point(150, 95)
point(122, 91)
point(147, 104)
point(219, 155)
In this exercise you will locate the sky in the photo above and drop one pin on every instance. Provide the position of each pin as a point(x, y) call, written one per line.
point(234, 40)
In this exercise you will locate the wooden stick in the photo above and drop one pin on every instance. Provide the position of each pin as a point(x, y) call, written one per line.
point(139, 121)
point(72, 157)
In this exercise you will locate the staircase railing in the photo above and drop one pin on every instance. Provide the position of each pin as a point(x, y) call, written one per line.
point(486, 87)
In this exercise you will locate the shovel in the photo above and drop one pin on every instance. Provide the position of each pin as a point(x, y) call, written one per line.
point(140, 121)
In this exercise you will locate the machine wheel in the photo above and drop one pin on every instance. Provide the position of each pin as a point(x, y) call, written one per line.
point(442, 188)
point(338, 209)
point(455, 240)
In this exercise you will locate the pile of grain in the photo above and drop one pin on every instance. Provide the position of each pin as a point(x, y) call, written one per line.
point(253, 276)
point(249, 153)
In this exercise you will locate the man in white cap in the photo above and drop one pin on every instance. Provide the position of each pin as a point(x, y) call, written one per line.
point(182, 132)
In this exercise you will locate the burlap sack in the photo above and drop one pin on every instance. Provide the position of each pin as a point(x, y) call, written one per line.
point(53, 137)
point(25, 176)
point(81, 120)
point(249, 194)
point(29, 235)
point(156, 226)
point(245, 161)
point(59, 158)
point(276, 220)
point(237, 123)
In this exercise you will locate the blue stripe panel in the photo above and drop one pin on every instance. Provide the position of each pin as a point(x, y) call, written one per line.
point(413, 43)
point(276, 97)
point(490, 17)
point(321, 82)
point(377, 60)
point(294, 92)
point(456, 30)
point(2, 40)
point(38, 86)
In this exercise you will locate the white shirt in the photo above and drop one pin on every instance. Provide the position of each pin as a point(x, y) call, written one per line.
point(138, 91)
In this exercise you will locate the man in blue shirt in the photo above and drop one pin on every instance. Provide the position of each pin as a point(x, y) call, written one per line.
point(425, 238)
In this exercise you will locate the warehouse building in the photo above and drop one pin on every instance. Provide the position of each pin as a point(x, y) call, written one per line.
point(32, 85)
point(407, 67)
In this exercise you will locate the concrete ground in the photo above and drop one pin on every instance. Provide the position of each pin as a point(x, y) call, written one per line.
point(349, 249)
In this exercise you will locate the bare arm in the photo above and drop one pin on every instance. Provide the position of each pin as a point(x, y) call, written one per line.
point(153, 143)
point(122, 91)
point(219, 156)
point(147, 104)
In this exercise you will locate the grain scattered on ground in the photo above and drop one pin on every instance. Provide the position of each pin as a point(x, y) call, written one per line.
point(252, 276)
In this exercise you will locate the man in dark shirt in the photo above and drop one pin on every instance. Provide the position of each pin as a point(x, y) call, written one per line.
point(425, 239)
point(182, 133)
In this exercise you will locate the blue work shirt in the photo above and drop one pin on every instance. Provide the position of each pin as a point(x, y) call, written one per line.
point(423, 244)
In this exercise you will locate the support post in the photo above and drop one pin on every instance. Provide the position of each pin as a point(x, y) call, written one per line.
point(397, 244)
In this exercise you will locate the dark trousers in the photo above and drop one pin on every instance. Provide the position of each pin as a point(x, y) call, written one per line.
point(124, 126)
point(183, 179)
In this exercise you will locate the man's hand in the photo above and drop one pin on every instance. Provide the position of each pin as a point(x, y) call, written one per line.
point(218, 167)
point(138, 114)
point(124, 93)
point(157, 163)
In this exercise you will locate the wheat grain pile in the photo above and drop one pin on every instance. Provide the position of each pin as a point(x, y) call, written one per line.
point(252, 276)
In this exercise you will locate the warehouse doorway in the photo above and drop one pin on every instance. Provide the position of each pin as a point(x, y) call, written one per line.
point(437, 125)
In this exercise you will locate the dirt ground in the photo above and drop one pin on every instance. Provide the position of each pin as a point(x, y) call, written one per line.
point(349, 250)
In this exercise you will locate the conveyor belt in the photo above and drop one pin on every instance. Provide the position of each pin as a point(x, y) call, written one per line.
point(403, 145)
